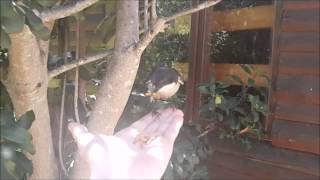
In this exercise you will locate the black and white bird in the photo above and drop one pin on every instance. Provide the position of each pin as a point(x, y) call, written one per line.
point(163, 83)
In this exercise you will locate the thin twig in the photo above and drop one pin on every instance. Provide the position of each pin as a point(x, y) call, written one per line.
point(154, 15)
point(161, 23)
point(65, 11)
point(65, 38)
point(79, 62)
point(145, 14)
point(106, 17)
point(76, 78)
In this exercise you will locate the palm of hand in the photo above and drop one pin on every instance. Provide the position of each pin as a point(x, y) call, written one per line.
point(119, 156)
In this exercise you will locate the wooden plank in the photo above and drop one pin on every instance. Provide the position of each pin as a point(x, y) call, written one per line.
point(299, 71)
point(223, 72)
point(299, 42)
point(286, 96)
point(299, 60)
point(302, 20)
point(297, 112)
point(298, 136)
point(243, 18)
point(274, 62)
point(257, 168)
point(301, 4)
point(299, 64)
point(218, 171)
point(300, 84)
point(301, 162)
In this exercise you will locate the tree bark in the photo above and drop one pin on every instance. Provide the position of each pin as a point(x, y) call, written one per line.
point(118, 80)
point(121, 72)
point(27, 86)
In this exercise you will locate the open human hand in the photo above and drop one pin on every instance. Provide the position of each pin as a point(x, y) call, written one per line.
point(121, 157)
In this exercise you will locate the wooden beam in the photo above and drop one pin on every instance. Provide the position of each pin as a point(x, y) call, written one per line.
point(243, 19)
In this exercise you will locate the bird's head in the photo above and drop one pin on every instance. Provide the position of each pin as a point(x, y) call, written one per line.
point(163, 83)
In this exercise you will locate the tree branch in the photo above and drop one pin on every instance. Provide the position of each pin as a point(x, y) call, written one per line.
point(161, 23)
point(65, 11)
point(80, 62)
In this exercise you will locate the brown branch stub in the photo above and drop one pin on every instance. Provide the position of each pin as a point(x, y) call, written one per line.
point(80, 62)
point(65, 11)
point(161, 23)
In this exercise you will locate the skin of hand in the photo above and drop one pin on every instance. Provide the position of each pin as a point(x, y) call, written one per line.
point(118, 157)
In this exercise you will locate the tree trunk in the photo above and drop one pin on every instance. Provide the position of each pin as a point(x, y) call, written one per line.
point(121, 71)
point(27, 86)
point(119, 78)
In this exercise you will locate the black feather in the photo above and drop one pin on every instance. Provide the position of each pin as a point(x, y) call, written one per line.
point(163, 76)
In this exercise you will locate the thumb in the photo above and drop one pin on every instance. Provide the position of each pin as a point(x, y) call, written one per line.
point(80, 134)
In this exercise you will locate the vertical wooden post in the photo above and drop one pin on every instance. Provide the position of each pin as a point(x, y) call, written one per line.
point(200, 61)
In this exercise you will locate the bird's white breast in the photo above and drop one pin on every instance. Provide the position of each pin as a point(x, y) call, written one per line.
point(168, 90)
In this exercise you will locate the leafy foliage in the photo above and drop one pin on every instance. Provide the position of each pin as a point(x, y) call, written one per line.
point(16, 141)
point(238, 116)
point(15, 15)
point(167, 8)
point(165, 49)
point(188, 155)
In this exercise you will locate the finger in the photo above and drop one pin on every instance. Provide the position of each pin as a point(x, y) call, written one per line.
point(134, 129)
point(80, 134)
point(172, 130)
point(167, 122)
point(145, 121)
point(160, 119)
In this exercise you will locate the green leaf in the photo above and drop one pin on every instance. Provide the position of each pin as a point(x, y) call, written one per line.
point(203, 89)
point(5, 40)
point(23, 165)
point(8, 152)
point(222, 85)
point(16, 134)
point(237, 79)
point(246, 68)
point(11, 20)
point(255, 116)
point(240, 110)
point(26, 120)
point(250, 82)
point(6, 118)
point(36, 25)
point(11, 168)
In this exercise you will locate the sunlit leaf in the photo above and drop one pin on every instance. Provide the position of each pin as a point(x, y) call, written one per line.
point(246, 68)
point(11, 168)
point(218, 100)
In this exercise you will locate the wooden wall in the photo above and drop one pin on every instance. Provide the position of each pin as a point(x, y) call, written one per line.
point(292, 151)
point(295, 99)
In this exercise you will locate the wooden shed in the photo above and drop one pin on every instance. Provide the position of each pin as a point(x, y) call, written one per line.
point(284, 43)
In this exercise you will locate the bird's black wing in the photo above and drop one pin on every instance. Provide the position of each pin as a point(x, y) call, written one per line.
point(163, 76)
